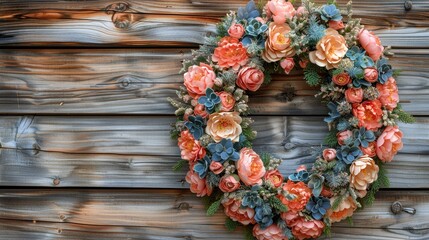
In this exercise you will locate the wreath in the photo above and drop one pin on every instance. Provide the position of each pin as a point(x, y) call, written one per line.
point(214, 131)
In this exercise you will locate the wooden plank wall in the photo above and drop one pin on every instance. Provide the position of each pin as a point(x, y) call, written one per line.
point(85, 150)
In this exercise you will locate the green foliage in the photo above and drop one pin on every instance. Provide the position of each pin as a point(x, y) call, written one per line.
point(213, 208)
point(311, 74)
point(277, 204)
point(350, 221)
point(230, 224)
point(331, 138)
point(396, 73)
point(179, 165)
point(315, 31)
point(337, 202)
point(174, 134)
point(327, 231)
point(266, 158)
point(381, 182)
point(403, 116)
point(249, 133)
point(248, 233)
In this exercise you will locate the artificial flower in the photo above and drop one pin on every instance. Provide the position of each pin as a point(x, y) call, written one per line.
point(342, 137)
point(345, 209)
point(371, 43)
point(250, 167)
point(302, 193)
point(363, 172)
point(342, 79)
point(369, 114)
point(370, 74)
point(354, 95)
point(227, 101)
point(273, 232)
point(287, 64)
point(236, 212)
point(303, 228)
point(330, 50)
point(216, 167)
point(224, 125)
point(370, 151)
point(274, 178)
point(388, 91)
point(389, 143)
point(236, 30)
point(229, 183)
point(250, 78)
point(329, 154)
point(279, 10)
point(190, 149)
point(198, 79)
point(198, 185)
point(278, 43)
point(230, 53)
point(337, 25)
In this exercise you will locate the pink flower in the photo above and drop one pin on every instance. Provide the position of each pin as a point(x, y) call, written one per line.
point(198, 79)
point(354, 95)
point(250, 78)
point(191, 149)
point(329, 154)
point(370, 150)
point(274, 177)
point(250, 167)
point(302, 193)
point(236, 30)
point(369, 114)
point(300, 11)
point(273, 232)
point(371, 43)
point(229, 183)
point(198, 185)
point(389, 143)
point(280, 10)
point(301, 168)
point(343, 136)
point(230, 53)
point(371, 74)
point(337, 25)
point(234, 210)
point(201, 111)
point(389, 96)
point(287, 64)
point(342, 79)
point(227, 101)
point(303, 63)
point(301, 227)
point(216, 167)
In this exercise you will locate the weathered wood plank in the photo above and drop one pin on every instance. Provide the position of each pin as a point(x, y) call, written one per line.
point(120, 81)
point(137, 151)
point(155, 214)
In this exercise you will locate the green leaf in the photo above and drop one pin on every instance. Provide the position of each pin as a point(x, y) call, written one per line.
point(179, 165)
point(248, 233)
point(337, 202)
point(403, 116)
point(396, 73)
point(331, 138)
point(350, 221)
point(266, 158)
point(213, 208)
point(277, 204)
point(230, 224)
point(311, 74)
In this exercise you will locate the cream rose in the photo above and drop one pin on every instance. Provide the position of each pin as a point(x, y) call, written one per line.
point(330, 50)
point(224, 125)
point(363, 172)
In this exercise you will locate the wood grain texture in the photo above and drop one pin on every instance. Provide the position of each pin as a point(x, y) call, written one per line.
point(137, 151)
point(155, 214)
point(138, 81)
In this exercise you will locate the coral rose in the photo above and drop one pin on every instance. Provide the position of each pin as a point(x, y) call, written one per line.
point(274, 177)
point(224, 125)
point(198, 79)
point(342, 79)
point(329, 154)
point(354, 95)
point(363, 172)
point(190, 149)
point(337, 25)
point(200, 110)
point(303, 228)
point(278, 43)
point(369, 114)
point(198, 185)
point(250, 78)
point(370, 74)
point(287, 64)
point(233, 209)
point(330, 50)
point(250, 167)
point(389, 96)
point(227, 101)
point(370, 150)
point(389, 143)
point(279, 10)
point(230, 53)
point(236, 30)
point(371, 43)
point(344, 210)
point(343, 136)
point(302, 193)
point(229, 183)
point(216, 167)
point(273, 232)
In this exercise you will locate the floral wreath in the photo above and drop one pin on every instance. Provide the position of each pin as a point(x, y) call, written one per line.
point(215, 136)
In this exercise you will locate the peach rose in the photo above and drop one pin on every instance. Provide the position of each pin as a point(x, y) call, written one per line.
point(287, 64)
point(227, 101)
point(389, 143)
point(224, 125)
point(273, 232)
point(200, 110)
point(301, 168)
point(229, 183)
point(279, 10)
point(233, 209)
point(330, 50)
point(278, 43)
point(389, 96)
point(371, 43)
point(198, 79)
point(216, 167)
point(326, 192)
point(329, 154)
point(354, 95)
point(370, 150)
point(198, 185)
point(230, 53)
point(303, 63)
point(363, 172)
point(190, 149)
point(343, 136)
point(344, 210)
point(337, 25)
point(274, 177)
point(369, 114)
point(250, 167)
point(236, 30)
point(370, 74)
point(342, 79)
point(250, 78)
point(303, 228)
point(302, 193)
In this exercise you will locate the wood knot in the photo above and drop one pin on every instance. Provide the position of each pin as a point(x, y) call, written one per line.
point(117, 7)
point(56, 181)
point(289, 146)
point(183, 206)
point(408, 5)
point(122, 20)
point(287, 95)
